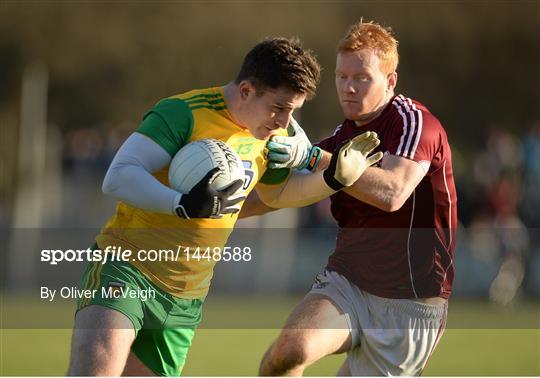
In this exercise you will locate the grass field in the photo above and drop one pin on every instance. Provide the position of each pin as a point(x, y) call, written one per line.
point(470, 350)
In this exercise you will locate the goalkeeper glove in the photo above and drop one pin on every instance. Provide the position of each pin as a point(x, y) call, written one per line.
point(350, 160)
point(203, 201)
point(293, 151)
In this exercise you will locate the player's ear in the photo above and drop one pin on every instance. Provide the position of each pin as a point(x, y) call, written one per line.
point(391, 81)
point(245, 87)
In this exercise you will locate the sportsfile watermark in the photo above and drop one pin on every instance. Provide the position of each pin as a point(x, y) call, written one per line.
point(255, 279)
point(121, 254)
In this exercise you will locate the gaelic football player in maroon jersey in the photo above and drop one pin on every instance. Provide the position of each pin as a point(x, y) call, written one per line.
point(383, 295)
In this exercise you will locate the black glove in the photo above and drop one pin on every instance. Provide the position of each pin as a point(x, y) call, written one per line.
point(203, 201)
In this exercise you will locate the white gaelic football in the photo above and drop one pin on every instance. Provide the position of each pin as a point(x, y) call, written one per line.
point(193, 161)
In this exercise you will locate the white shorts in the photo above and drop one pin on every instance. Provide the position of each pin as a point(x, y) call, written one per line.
point(389, 336)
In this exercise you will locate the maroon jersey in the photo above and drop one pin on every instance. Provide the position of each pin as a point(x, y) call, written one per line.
point(407, 253)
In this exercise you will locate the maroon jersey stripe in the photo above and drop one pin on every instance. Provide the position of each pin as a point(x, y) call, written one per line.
point(419, 121)
point(412, 128)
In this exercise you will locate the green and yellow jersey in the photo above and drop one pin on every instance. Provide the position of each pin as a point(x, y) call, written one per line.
point(173, 123)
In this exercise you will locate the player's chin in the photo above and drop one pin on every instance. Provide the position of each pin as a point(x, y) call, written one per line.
point(264, 133)
point(351, 111)
point(354, 115)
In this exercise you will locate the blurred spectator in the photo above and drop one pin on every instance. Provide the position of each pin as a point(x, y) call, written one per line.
point(530, 201)
point(513, 240)
point(503, 156)
point(530, 205)
point(83, 148)
point(498, 241)
point(86, 158)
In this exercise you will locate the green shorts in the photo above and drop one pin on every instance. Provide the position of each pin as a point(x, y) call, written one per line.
point(164, 325)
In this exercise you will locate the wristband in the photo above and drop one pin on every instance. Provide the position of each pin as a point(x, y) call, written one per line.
point(331, 181)
point(315, 156)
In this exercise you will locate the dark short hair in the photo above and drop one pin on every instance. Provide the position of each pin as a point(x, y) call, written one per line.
point(281, 62)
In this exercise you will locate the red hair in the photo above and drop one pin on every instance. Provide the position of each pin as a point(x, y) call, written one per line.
point(370, 35)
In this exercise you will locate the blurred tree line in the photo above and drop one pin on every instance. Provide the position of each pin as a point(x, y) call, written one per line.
point(475, 64)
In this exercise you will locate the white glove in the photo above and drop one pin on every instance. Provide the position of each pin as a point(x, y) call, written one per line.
point(350, 160)
point(293, 151)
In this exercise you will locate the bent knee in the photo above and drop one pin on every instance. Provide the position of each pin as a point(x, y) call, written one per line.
point(291, 351)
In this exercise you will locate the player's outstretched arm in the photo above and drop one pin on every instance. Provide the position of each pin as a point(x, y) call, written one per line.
point(347, 164)
point(386, 187)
